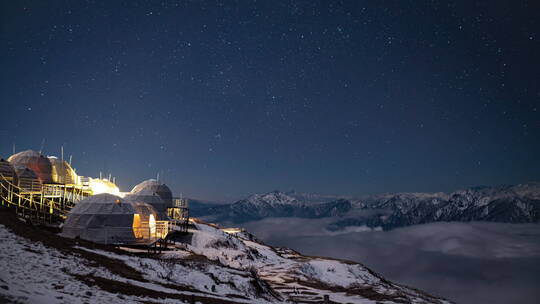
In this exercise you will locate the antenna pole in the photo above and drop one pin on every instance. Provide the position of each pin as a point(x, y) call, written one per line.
point(42, 144)
point(13, 148)
point(62, 179)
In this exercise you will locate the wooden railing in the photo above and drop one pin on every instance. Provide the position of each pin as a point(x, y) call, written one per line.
point(51, 202)
point(162, 229)
point(12, 196)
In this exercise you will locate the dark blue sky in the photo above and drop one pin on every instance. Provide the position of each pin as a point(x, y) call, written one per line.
point(229, 98)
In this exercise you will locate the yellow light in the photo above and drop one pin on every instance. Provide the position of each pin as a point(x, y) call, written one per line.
point(99, 186)
point(137, 225)
point(152, 225)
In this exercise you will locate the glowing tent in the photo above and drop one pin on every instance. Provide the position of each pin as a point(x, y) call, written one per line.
point(144, 221)
point(99, 186)
point(109, 219)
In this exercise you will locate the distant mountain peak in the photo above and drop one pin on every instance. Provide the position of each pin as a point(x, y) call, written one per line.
point(275, 197)
point(506, 203)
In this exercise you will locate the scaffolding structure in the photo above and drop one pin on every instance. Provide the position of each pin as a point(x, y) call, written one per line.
point(179, 215)
point(48, 204)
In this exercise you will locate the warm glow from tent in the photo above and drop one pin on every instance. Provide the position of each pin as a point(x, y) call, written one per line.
point(137, 226)
point(152, 225)
point(99, 186)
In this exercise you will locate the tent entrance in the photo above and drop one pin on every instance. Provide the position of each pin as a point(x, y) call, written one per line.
point(144, 227)
point(152, 225)
point(137, 226)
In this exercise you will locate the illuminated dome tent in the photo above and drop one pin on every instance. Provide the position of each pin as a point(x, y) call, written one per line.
point(99, 185)
point(144, 221)
point(62, 172)
point(109, 219)
point(154, 193)
point(34, 161)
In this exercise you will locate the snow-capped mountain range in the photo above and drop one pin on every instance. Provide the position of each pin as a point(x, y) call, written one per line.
point(511, 204)
point(272, 204)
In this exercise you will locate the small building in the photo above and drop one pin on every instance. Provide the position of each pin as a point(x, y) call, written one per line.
point(34, 161)
point(109, 219)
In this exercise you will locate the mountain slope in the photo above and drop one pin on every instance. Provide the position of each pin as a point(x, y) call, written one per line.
point(210, 267)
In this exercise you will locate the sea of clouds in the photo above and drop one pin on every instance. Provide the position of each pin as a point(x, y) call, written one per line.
point(464, 262)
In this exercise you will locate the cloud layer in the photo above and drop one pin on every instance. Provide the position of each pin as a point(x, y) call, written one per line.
point(465, 262)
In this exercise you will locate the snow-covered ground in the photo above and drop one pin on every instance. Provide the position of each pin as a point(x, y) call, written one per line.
point(214, 267)
point(33, 273)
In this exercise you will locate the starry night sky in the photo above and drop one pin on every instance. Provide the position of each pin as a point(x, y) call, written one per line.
point(229, 98)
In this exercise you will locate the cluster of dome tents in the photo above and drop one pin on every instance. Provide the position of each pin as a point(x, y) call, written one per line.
point(137, 218)
point(30, 170)
point(104, 214)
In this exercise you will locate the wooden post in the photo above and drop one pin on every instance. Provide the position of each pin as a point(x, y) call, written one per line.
point(326, 299)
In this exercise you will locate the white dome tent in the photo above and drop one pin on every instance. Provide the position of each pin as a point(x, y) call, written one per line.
point(109, 219)
point(153, 187)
